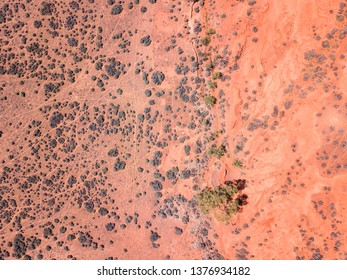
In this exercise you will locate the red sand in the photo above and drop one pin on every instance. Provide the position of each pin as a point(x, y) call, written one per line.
point(290, 214)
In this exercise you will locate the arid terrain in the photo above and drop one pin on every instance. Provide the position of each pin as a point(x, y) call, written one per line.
point(190, 129)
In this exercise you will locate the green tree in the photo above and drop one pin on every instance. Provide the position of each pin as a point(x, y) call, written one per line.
point(219, 201)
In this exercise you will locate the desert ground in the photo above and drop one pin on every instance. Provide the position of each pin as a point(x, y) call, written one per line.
point(190, 129)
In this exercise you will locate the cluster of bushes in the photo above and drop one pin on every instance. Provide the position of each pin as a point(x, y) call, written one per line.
point(207, 39)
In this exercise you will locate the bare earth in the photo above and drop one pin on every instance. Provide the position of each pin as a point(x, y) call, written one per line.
point(105, 133)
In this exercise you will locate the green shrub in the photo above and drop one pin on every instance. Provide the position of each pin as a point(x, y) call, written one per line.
point(218, 152)
point(211, 31)
point(237, 163)
point(216, 75)
point(214, 135)
point(210, 100)
point(210, 66)
point(224, 215)
point(205, 41)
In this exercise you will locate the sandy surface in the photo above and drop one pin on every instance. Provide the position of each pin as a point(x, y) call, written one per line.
point(295, 153)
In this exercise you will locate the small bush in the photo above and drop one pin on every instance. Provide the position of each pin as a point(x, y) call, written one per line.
point(219, 201)
point(211, 31)
point(214, 135)
point(218, 152)
point(210, 100)
point(237, 163)
point(205, 41)
point(216, 75)
point(212, 84)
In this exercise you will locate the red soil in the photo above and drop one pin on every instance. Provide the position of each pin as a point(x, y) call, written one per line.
point(296, 167)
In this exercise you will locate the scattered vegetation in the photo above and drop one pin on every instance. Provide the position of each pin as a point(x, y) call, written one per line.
point(85, 156)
